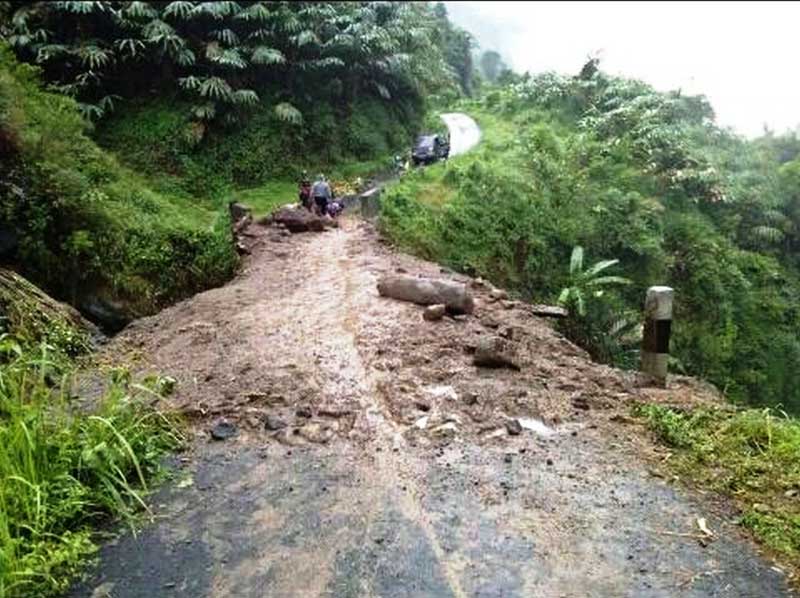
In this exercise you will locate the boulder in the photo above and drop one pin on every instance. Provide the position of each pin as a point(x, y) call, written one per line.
point(434, 312)
point(238, 211)
point(496, 352)
point(297, 220)
point(427, 291)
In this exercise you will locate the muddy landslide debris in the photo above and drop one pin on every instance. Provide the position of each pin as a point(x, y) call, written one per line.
point(223, 430)
point(496, 352)
point(428, 291)
point(434, 312)
point(299, 220)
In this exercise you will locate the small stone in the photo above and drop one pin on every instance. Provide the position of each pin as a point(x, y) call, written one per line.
point(496, 352)
point(401, 270)
point(434, 312)
point(498, 294)
point(223, 430)
point(274, 423)
point(549, 461)
point(513, 427)
point(316, 433)
point(508, 458)
point(422, 405)
point(470, 398)
point(581, 402)
point(791, 493)
point(303, 412)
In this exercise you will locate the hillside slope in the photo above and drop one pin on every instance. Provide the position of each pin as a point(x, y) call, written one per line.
point(644, 177)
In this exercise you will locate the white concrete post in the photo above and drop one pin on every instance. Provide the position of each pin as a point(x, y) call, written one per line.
point(657, 327)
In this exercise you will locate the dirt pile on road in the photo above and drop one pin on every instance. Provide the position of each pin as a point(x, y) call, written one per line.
point(301, 347)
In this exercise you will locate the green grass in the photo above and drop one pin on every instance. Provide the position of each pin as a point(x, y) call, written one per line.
point(750, 456)
point(67, 466)
point(274, 193)
point(265, 198)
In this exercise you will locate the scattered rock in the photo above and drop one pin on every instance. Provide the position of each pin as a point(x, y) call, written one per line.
point(238, 211)
point(223, 430)
point(471, 398)
point(427, 291)
point(549, 461)
point(401, 270)
point(274, 423)
point(422, 406)
point(445, 430)
point(498, 294)
point(549, 311)
point(513, 427)
point(581, 402)
point(489, 322)
point(496, 352)
point(508, 458)
point(791, 493)
point(509, 304)
point(434, 312)
point(297, 220)
point(315, 433)
point(333, 412)
point(303, 412)
point(478, 283)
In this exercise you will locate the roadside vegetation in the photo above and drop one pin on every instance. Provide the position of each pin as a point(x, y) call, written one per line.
point(750, 456)
point(635, 175)
point(68, 464)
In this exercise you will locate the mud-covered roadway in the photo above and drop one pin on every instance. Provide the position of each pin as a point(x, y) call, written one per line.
point(373, 459)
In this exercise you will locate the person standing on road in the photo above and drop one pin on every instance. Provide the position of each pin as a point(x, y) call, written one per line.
point(321, 192)
point(305, 191)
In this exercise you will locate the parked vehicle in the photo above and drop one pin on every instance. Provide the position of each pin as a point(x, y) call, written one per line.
point(430, 148)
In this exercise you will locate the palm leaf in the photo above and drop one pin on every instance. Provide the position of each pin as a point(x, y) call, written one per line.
point(180, 9)
point(595, 269)
point(288, 113)
point(265, 55)
point(604, 280)
point(576, 260)
point(244, 96)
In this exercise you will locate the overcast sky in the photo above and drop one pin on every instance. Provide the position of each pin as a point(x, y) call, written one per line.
point(744, 56)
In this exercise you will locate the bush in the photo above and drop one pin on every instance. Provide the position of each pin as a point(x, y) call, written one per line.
point(65, 468)
point(79, 224)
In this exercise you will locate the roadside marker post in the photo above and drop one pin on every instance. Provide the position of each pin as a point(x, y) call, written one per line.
point(657, 328)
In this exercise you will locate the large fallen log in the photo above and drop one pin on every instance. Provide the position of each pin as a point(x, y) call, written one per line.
point(428, 291)
point(30, 313)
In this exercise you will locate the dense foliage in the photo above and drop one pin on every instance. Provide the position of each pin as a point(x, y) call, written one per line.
point(222, 55)
point(63, 471)
point(83, 226)
point(633, 174)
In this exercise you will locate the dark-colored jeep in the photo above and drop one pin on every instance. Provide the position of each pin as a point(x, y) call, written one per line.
point(430, 148)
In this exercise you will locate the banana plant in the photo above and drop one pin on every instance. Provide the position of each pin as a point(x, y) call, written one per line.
point(585, 283)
